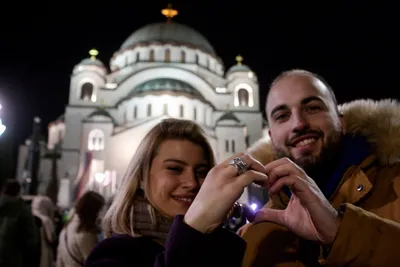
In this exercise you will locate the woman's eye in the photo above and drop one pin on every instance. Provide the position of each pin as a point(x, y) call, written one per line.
point(201, 173)
point(175, 169)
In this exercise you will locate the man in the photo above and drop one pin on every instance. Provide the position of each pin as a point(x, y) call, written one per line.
point(19, 241)
point(334, 179)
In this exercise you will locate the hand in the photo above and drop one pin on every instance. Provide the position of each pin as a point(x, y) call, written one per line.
point(308, 214)
point(221, 188)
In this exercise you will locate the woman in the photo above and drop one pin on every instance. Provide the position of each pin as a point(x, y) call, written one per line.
point(43, 208)
point(145, 225)
point(80, 234)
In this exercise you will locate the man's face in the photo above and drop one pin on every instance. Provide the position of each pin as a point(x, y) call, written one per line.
point(304, 124)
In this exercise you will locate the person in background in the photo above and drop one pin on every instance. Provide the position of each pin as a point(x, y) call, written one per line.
point(58, 225)
point(19, 240)
point(157, 218)
point(43, 208)
point(80, 233)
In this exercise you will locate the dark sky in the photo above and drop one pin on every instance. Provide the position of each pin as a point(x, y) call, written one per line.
point(354, 46)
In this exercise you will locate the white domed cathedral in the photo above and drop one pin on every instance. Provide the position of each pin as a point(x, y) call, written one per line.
point(162, 70)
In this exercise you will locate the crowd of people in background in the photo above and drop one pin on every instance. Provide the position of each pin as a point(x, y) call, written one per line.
point(35, 233)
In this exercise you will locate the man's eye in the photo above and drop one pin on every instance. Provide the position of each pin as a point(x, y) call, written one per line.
point(281, 117)
point(313, 108)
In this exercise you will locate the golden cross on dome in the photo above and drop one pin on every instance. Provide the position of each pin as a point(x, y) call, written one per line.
point(169, 12)
point(93, 53)
point(239, 59)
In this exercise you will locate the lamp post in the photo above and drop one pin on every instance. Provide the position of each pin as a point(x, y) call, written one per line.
point(31, 180)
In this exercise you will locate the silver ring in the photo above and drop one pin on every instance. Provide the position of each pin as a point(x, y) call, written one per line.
point(240, 165)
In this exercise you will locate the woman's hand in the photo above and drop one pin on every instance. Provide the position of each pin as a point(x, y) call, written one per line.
point(221, 188)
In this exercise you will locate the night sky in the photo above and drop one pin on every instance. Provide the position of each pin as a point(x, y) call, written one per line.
point(355, 47)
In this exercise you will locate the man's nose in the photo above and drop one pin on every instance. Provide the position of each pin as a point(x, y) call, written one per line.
point(300, 122)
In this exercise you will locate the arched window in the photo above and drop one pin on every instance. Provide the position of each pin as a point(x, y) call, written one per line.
point(243, 96)
point(135, 112)
point(96, 140)
point(197, 59)
point(137, 56)
point(183, 56)
point(151, 55)
point(194, 113)
point(148, 110)
point(86, 91)
point(167, 55)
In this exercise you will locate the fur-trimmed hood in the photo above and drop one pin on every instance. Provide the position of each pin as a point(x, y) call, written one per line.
point(378, 121)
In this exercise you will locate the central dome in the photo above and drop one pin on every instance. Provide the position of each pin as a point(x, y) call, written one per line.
point(166, 84)
point(169, 32)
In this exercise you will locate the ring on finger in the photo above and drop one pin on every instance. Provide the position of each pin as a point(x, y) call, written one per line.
point(240, 165)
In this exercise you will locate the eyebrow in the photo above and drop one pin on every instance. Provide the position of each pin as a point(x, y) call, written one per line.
point(203, 164)
point(303, 102)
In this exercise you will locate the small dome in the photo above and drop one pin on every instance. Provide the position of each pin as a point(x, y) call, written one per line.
point(169, 32)
point(92, 62)
point(238, 68)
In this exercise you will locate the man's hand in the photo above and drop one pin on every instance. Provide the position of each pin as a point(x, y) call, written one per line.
point(308, 214)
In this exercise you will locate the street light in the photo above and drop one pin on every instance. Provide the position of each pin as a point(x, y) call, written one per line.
point(2, 126)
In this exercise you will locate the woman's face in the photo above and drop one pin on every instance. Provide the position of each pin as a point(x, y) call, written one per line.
point(176, 174)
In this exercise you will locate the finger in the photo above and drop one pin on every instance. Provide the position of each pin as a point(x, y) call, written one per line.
point(281, 171)
point(251, 176)
point(243, 229)
point(298, 186)
point(226, 162)
point(269, 215)
point(253, 164)
point(231, 171)
point(275, 163)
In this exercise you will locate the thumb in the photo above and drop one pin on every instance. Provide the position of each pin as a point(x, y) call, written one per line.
point(269, 215)
point(243, 229)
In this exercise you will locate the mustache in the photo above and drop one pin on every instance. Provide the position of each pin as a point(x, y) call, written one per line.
point(300, 133)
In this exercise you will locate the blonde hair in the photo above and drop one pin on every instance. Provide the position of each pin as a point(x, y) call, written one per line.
point(119, 217)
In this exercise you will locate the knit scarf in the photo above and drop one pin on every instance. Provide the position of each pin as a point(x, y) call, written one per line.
point(144, 215)
point(147, 222)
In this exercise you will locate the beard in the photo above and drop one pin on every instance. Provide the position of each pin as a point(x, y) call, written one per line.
point(320, 166)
